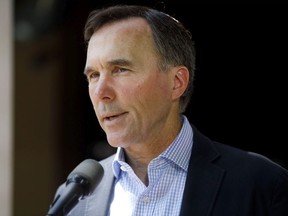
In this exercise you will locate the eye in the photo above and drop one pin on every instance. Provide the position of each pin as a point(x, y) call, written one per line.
point(92, 76)
point(123, 69)
point(120, 70)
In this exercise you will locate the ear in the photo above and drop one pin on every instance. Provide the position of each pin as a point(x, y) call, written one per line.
point(181, 80)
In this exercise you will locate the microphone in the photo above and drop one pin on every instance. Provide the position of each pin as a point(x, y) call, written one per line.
point(80, 183)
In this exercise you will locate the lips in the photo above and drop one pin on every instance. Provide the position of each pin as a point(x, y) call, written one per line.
point(111, 117)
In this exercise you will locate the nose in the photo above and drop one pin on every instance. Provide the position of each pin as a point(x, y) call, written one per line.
point(102, 89)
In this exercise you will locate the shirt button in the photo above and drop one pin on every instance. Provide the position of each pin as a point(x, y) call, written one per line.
point(146, 199)
point(123, 168)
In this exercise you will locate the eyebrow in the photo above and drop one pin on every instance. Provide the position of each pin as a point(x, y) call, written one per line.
point(120, 62)
point(87, 70)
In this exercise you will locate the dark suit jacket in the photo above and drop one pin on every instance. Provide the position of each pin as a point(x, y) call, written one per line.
point(221, 181)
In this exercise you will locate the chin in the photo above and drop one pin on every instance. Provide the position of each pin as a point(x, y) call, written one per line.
point(119, 139)
point(116, 143)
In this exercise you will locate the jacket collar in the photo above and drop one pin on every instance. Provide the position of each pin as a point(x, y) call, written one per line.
point(203, 177)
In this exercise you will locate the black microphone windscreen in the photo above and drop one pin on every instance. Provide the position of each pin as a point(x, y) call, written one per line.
point(91, 170)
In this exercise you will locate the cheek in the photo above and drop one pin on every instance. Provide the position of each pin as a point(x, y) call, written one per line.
point(92, 96)
point(158, 88)
point(151, 91)
point(90, 90)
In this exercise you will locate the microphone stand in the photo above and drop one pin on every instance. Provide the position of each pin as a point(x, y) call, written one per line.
point(65, 202)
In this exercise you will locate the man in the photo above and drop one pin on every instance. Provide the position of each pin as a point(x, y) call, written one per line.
point(140, 68)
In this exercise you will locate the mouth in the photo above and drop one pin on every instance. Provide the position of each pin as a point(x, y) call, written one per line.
point(113, 117)
point(110, 118)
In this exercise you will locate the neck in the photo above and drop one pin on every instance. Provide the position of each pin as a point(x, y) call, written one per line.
point(139, 156)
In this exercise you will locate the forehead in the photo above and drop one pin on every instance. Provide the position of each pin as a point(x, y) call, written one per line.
point(133, 31)
point(133, 26)
point(129, 35)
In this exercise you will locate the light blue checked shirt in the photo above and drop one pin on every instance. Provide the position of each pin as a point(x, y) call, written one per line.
point(167, 175)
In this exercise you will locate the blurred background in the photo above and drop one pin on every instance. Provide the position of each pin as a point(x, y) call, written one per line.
point(48, 125)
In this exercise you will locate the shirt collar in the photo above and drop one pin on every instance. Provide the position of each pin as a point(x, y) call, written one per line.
point(178, 152)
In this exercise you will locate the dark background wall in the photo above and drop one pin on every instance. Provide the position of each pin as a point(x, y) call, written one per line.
point(239, 97)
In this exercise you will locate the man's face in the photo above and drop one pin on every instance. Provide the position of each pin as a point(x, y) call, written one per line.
point(130, 95)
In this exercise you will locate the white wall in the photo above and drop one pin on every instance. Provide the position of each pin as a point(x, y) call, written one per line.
point(6, 107)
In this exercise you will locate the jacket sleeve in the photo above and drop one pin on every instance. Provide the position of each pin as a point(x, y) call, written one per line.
point(279, 205)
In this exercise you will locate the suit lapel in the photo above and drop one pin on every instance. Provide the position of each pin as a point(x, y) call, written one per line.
point(99, 202)
point(203, 178)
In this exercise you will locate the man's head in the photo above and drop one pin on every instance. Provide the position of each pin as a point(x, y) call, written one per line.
point(135, 86)
point(172, 41)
